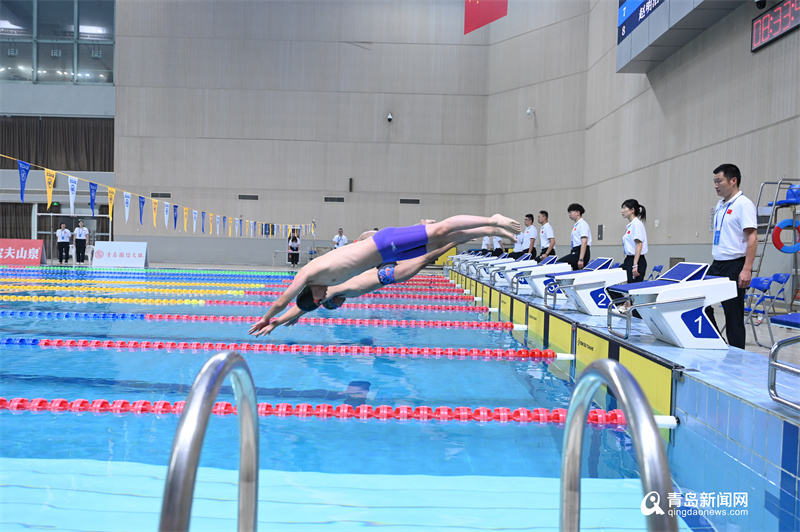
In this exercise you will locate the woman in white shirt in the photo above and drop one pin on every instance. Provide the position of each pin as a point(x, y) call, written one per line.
point(580, 238)
point(81, 236)
point(634, 241)
point(62, 237)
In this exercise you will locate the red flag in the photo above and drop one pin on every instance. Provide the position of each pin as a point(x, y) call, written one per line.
point(479, 13)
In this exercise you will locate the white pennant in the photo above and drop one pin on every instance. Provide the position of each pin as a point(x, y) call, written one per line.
point(166, 215)
point(218, 224)
point(194, 221)
point(127, 205)
point(73, 189)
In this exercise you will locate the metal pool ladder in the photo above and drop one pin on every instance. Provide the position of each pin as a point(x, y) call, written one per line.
point(176, 506)
point(656, 481)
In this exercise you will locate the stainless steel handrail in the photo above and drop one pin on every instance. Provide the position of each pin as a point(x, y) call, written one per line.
point(646, 439)
point(176, 507)
point(629, 313)
point(775, 365)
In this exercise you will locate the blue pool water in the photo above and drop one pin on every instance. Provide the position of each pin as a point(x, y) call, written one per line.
point(68, 470)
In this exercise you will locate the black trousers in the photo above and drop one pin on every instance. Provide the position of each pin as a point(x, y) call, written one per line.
point(732, 308)
point(543, 254)
point(574, 256)
point(80, 250)
point(627, 265)
point(516, 254)
point(63, 252)
point(294, 258)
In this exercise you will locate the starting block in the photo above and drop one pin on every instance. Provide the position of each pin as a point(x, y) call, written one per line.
point(463, 266)
point(501, 275)
point(484, 272)
point(673, 307)
point(586, 288)
point(533, 280)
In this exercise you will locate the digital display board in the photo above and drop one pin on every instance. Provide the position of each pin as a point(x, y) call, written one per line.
point(631, 13)
point(774, 24)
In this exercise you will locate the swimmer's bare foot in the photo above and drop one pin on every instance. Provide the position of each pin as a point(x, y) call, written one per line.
point(512, 227)
point(426, 221)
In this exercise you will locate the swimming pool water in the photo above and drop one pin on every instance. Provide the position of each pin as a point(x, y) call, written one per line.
point(372, 462)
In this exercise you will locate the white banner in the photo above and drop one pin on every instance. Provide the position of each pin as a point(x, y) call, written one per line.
point(120, 255)
point(194, 221)
point(218, 224)
point(166, 215)
point(73, 189)
point(127, 205)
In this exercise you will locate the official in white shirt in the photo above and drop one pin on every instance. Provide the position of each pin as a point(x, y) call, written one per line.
point(733, 248)
point(81, 237)
point(580, 238)
point(493, 244)
point(62, 237)
point(634, 241)
point(339, 240)
point(547, 237)
point(526, 239)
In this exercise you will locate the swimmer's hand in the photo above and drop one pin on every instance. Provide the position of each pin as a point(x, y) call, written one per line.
point(292, 321)
point(262, 328)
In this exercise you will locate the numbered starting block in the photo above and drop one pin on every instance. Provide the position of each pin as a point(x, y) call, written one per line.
point(501, 275)
point(587, 288)
point(533, 280)
point(673, 307)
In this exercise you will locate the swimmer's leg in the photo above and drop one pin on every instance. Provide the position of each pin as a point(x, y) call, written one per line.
point(456, 228)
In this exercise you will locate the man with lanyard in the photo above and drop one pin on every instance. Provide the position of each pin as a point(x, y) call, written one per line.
point(734, 247)
point(62, 237)
point(339, 239)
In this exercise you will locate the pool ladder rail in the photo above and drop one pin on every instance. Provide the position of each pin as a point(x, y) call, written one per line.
point(646, 438)
point(176, 506)
point(775, 365)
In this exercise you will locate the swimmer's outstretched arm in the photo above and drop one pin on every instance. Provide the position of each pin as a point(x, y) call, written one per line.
point(282, 302)
point(288, 318)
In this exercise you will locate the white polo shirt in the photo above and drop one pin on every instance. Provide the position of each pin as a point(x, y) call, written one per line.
point(528, 236)
point(339, 241)
point(635, 231)
point(545, 235)
point(81, 233)
point(63, 235)
point(487, 242)
point(579, 230)
point(731, 219)
point(518, 243)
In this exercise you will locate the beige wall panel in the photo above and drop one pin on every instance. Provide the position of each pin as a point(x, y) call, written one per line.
point(558, 107)
point(525, 16)
point(602, 31)
point(538, 55)
point(543, 163)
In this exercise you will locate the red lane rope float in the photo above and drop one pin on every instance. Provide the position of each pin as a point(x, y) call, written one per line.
point(483, 325)
point(403, 351)
point(351, 306)
point(322, 411)
point(373, 295)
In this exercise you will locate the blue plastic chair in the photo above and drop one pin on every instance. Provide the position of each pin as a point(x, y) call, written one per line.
point(792, 197)
point(655, 273)
point(758, 304)
point(780, 279)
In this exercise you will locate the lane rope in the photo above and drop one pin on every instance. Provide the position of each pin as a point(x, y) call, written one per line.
point(322, 411)
point(113, 316)
point(402, 351)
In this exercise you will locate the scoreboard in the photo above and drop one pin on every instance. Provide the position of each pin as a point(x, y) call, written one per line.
point(774, 24)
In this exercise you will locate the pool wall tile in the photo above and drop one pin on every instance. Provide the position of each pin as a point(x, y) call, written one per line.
point(774, 439)
point(791, 440)
point(734, 418)
point(761, 441)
